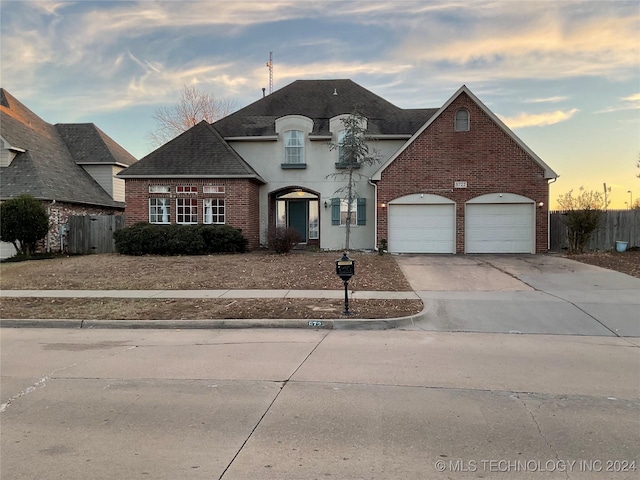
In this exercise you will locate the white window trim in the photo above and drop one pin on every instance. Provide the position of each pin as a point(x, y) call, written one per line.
point(354, 212)
point(159, 189)
point(299, 148)
point(187, 186)
point(167, 205)
point(190, 213)
point(213, 189)
point(208, 203)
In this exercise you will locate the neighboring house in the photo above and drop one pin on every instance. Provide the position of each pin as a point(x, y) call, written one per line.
point(71, 168)
point(453, 179)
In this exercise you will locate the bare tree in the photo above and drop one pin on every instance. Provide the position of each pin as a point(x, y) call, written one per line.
point(354, 152)
point(193, 107)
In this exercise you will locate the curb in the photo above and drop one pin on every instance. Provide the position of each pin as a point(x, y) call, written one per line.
point(314, 324)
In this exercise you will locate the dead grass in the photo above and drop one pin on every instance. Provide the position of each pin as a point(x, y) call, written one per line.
point(201, 309)
point(257, 270)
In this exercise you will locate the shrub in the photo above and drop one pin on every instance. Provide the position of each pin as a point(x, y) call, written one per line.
point(582, 216)
point(24, 221)
point(148, 239)
point(182, 240)
point(282, 239)
point(223, 239)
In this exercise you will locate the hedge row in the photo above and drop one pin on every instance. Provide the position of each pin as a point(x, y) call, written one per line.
point(148, 239)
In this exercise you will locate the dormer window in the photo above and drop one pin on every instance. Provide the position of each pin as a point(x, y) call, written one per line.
point(341, 147)
point(294, 146)
point(294, 149)
point(462, 120)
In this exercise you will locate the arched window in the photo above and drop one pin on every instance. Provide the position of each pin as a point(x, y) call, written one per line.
point(462, 120)
point(293, 146)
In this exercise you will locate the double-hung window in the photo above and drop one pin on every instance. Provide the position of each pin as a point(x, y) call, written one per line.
point(159, 210)
point(213, 210)
point(186, 210)
point(339, 211)
point(294, 147)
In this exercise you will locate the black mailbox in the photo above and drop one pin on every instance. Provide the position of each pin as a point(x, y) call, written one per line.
point(345, 267)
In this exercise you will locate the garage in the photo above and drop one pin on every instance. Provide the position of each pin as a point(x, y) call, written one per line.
point(422, 223)
point(500, 223)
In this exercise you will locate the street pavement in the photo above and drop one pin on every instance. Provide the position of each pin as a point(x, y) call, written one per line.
point(315, 404)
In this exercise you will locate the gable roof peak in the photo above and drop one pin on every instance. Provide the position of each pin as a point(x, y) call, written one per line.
point(548, 172)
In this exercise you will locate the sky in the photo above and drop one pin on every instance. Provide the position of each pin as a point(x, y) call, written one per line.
point(563, 75)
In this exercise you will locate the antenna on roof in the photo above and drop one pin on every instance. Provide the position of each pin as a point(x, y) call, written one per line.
point(270, 67)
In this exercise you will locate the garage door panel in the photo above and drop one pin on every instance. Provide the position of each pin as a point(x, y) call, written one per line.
point(421, 228)
point(499, 228)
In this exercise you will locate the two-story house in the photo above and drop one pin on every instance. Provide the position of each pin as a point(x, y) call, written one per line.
point(70, 168)
point(452, 179)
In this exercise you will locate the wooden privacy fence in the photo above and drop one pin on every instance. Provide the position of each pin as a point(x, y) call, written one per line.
point(93, 233)
point(623, 225)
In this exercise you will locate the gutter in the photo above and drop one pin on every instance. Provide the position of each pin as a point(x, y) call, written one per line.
point(375, 214)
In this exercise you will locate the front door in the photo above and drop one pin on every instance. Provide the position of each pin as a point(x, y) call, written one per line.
point(298, 217)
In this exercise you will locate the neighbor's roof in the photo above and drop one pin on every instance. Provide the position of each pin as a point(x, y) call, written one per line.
point(90, 145)
point(321, 100)
point(46, 168)
point(199, 152)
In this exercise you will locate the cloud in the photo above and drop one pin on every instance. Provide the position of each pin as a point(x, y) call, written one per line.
point(538, 119)
point(529, 40)
point(632, 102)
point(546, 100)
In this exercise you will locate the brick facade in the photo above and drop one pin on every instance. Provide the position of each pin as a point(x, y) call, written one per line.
point(485, 157)
point(241, 198)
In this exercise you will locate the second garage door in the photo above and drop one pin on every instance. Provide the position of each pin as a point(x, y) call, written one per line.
point(422, 228)
point(499, 228)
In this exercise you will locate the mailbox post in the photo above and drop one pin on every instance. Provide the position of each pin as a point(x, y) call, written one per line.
point(345, 269)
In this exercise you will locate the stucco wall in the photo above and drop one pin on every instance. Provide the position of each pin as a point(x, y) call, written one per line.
point(266, 158)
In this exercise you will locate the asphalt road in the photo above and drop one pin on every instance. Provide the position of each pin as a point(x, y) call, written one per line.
point(296, 404)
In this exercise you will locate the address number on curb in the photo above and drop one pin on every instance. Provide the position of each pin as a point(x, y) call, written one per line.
point(316, 323)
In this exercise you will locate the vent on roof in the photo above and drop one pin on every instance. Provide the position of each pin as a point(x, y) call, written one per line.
point(335, 91)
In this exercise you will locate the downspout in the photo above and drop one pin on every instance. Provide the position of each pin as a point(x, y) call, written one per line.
point(553, 180)
point(375, 214)
point(53, 202)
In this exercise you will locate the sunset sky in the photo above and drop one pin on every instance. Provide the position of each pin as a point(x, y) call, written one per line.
point(564, 75)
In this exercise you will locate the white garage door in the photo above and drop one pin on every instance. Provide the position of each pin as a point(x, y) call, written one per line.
point(499, 228)
point(422, 228)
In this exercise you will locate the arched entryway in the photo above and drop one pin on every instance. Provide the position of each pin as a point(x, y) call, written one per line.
point(299, 209)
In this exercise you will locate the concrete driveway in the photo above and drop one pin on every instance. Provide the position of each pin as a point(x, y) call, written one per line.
point(543, 294)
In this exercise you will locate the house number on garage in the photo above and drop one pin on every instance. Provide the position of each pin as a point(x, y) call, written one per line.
point(459, 184)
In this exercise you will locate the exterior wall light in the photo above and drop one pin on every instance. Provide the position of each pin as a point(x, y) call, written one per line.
point(541, 204)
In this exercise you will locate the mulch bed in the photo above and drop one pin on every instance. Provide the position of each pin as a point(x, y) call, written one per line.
point(626, 262)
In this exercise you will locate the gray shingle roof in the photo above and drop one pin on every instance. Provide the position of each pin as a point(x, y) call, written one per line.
point(199, 152)
point(46, 170)
point(315, 99)
point(88, 144)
